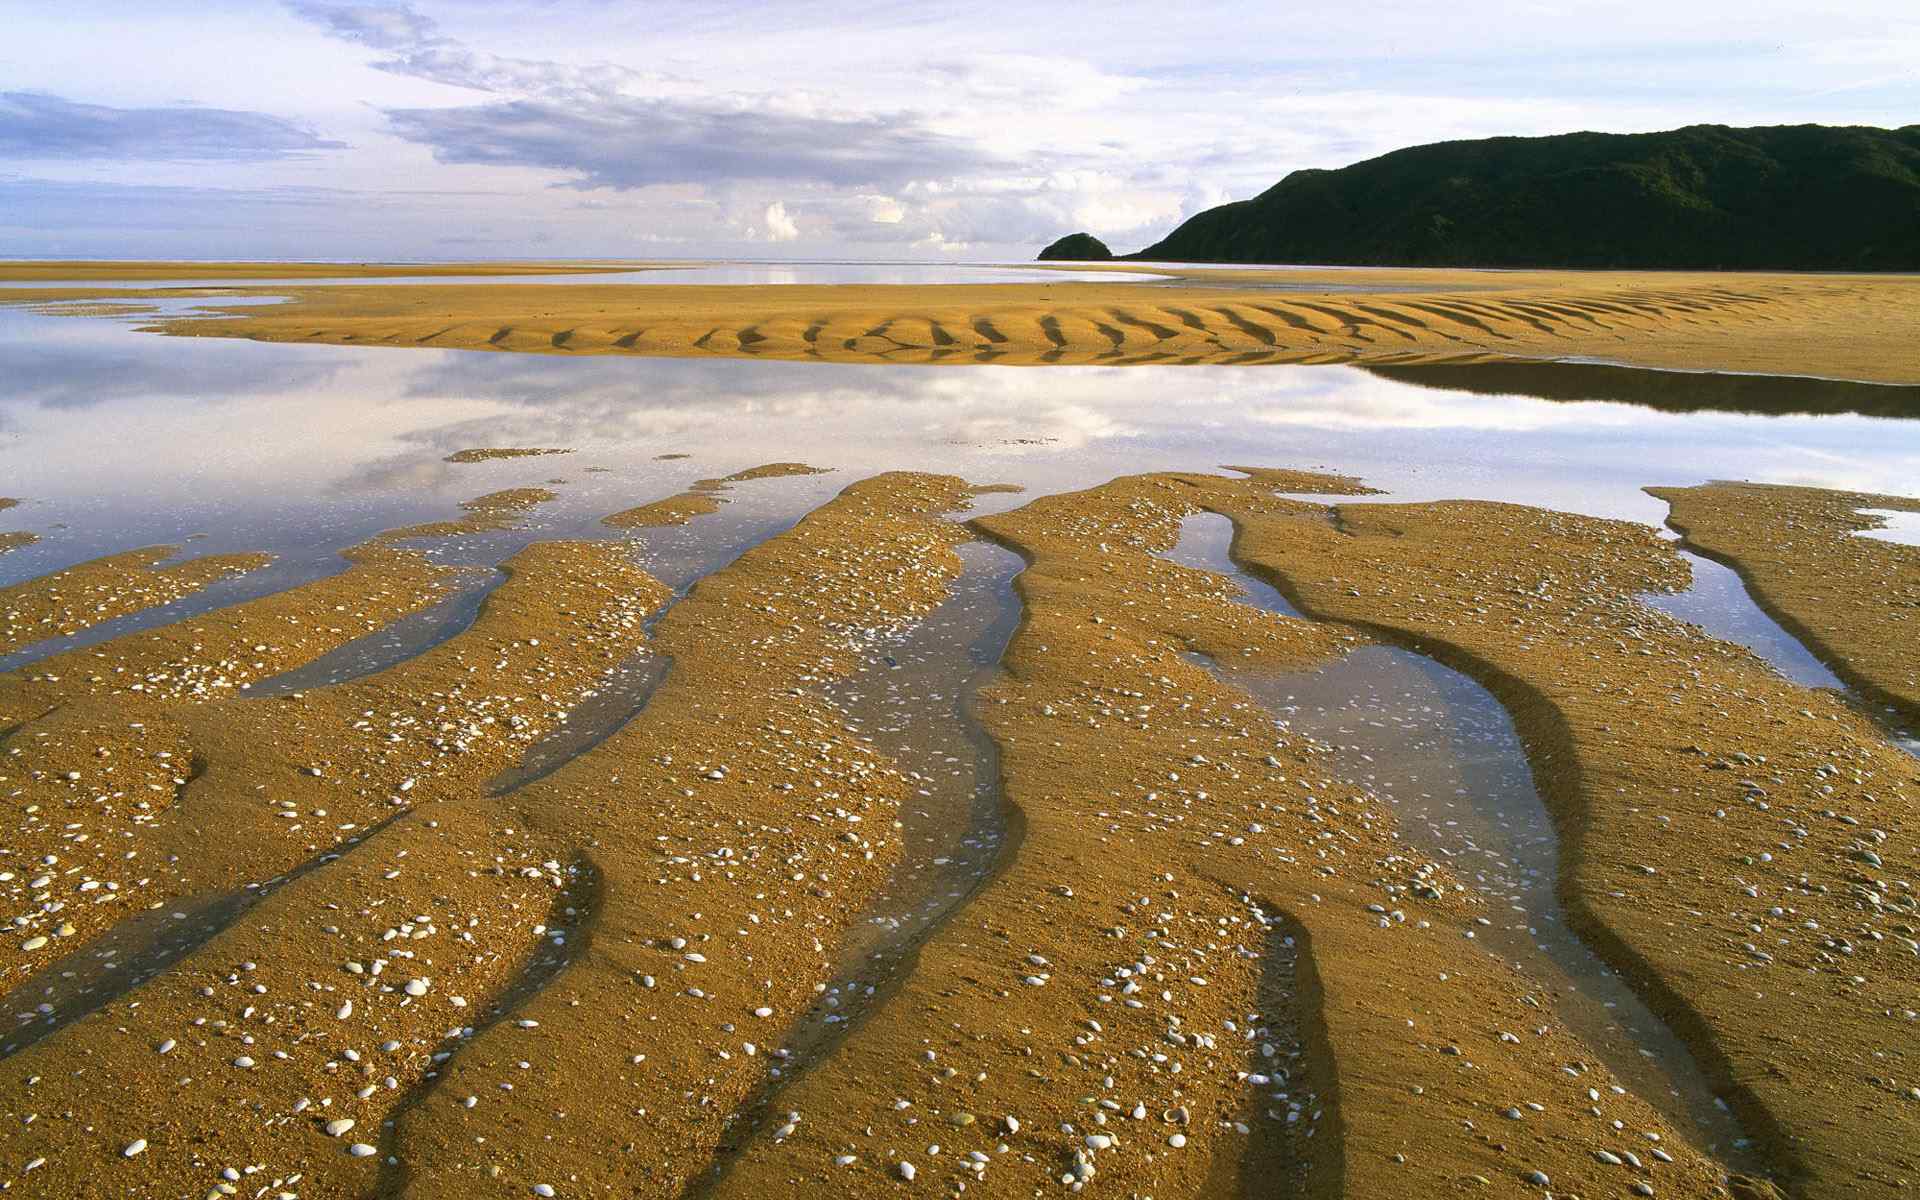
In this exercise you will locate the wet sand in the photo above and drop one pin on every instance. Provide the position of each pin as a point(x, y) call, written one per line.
point(65, 602)
point(13, 539)
point(1730, 841)
point(1854, 600)
point(1124, 930)
point(1853, 327)
point(489, 454)
point(490, 513)
point(704, 497)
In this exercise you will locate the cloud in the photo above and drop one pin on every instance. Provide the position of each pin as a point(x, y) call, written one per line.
point(380, 26)
point(420, 51)
point(588, 120)
point(1031, 80)
point(633, 142)
point(87, 371)
point(35, 125)
point(780, 227)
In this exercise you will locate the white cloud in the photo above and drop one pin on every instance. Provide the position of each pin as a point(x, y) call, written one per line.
point(779, 226)
point(897, 130)
point(1031, 80)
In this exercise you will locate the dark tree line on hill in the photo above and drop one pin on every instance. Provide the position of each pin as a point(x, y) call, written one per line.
point(1791, 197)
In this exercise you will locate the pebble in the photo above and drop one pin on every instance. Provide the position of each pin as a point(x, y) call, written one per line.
point(338, 1126)
point(362, 1150)
point(907, 1171)
point(134, 1147)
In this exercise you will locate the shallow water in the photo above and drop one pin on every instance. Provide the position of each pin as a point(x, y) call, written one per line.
point(1899, 526)
point(1443, 753)
point(730, 274)
point(914, 700)
point(1719, 603)
point(114, 438)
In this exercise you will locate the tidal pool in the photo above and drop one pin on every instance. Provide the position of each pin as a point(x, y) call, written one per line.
point(114, 439)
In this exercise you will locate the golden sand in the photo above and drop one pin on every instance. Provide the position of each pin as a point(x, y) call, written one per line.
point(1130, 767)
point(14, 539)
point(488, 454)
point(282, 790)
point(1841, 326)
point(586, 982)
point(484, 514)
point(1855, 601)
point(702, 498)
point(1721, 829)
point(674, 510)
point(66, 602)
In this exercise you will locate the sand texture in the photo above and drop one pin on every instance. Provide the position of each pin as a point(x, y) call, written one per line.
point(488, 454)
point(65, 602)
point(588, 895)
point(1855, 601)
point(1838, 326)
point(1736, 844)
point(14, 539)
point(490, 513)
point(705, 496)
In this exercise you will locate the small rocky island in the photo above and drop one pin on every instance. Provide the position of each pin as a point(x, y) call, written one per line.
point(1077, 247)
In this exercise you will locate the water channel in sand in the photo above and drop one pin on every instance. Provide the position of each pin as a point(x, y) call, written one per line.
point(914, 698)
point(116, 439)
point(1443, 753)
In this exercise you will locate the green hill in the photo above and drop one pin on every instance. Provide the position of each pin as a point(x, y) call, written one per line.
point(1077, 247)
point(1795, 197)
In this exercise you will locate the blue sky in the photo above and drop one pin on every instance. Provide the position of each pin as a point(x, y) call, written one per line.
point(571, 128)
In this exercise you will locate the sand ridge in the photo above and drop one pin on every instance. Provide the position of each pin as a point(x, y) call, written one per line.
point(1736, 844)
point(1838, 326)
point(1208, 967)
point(1855, 601)
point(65, 602)
point(1207, 962)
point(490, 513)
point(13, 540)
point(705, 496)
point(488, 454)
point(738, 825)
point(463, 886)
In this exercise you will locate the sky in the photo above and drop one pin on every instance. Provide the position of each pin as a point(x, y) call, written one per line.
point(666, 129)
